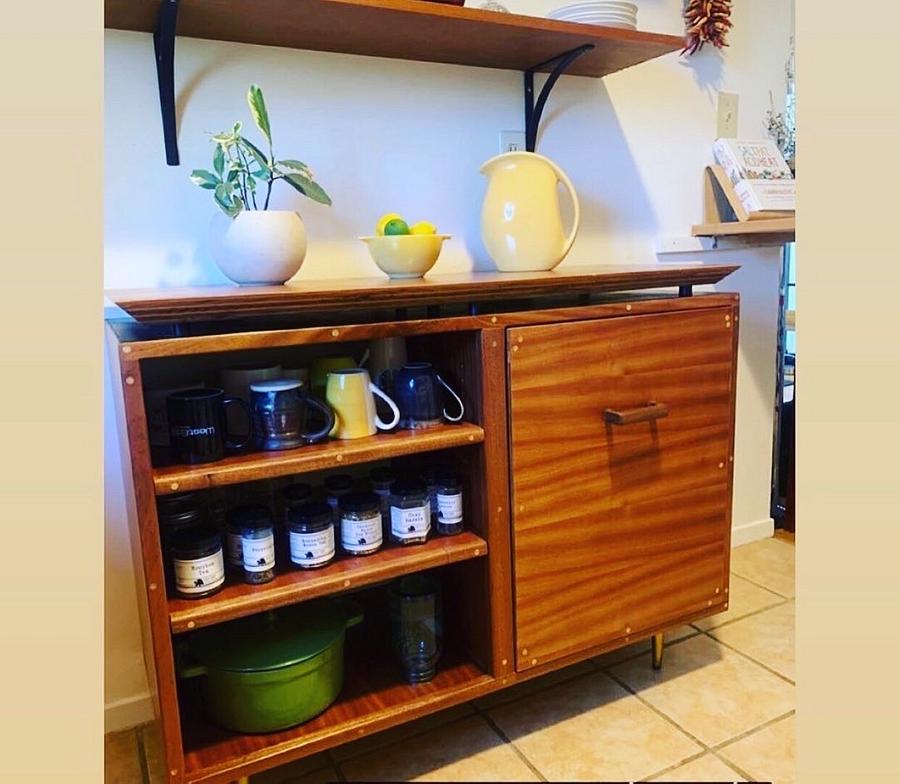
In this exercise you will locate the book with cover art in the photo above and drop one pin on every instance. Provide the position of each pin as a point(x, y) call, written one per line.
point(745, 159)
point(761, 178)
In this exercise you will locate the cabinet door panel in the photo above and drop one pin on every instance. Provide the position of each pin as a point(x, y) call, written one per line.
point(618, 528)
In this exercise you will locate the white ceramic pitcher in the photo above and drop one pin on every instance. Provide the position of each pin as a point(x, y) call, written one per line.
point(521, 223)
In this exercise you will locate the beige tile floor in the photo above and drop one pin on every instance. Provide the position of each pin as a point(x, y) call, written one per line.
point(721, 709)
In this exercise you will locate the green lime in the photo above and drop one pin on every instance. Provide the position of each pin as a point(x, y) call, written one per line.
point(396, 226)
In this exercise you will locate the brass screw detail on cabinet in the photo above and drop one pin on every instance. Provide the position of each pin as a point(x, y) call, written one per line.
point(191, 624)
point(129, 380)
point(339, 458)
point(174, 486)
point(534, 661)
point(493, 319)
point(476, 551)
point(515, 348)
point(126, 349)
point(717, 590)
point(152, 586)
point(721, 465)
point(524, 651)
point(627, 630)
point(726, 590)
point(499, 509)
point(521, 339)
point(504, 662)
point(493, 344)
point(335, 333)
point(628, 308)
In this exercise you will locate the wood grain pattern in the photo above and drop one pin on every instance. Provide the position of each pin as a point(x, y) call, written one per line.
point(618, 528)
point(373, 698)
point(284, 338)
point(145, 541)
point(304, 296)
point(329, 454)
point(346, 573)
point(402, 29)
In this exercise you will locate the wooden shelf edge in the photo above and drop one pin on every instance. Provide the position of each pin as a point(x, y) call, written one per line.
point(210, 303)
point(773, 227)
point(315, 457)
point(345, 574)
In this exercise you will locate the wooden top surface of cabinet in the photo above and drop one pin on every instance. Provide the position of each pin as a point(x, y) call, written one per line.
point(621, 439)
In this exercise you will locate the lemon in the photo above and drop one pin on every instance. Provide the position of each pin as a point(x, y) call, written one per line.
point(423, 227)
point(396, 226)
point(384, 220)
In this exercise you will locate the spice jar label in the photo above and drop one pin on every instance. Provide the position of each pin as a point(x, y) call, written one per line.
point(199, 575)
point(362, 534)
point(235, 549)
point(410, 523)
point(312, 549)
point(259, 554)
point(450, 508)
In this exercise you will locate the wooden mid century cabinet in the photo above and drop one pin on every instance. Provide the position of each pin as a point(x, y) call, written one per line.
point(596, 455)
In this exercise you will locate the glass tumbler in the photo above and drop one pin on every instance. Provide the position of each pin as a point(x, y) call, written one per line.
point(417, 625)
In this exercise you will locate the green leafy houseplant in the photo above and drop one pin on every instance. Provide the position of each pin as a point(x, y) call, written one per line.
point(241, 169)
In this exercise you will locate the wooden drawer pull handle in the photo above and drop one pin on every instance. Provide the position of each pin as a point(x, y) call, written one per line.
point(629, 416)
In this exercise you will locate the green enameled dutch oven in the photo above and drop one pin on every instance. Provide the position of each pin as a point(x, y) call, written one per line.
point(274, 670)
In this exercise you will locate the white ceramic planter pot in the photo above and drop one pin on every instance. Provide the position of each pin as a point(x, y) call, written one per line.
point(259, 247)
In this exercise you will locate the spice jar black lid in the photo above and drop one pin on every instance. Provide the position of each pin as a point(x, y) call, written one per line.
point(408, 487)
point(179, 508)
point(382, 475)
point(312, 514)
point(198, 538)
point(250, 516)
point(338, 483)
point(360, 502)
point(297, 493)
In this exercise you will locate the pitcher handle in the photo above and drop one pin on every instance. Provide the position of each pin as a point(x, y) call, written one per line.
point(394, 410)
point(462, 408)
point(576, 222)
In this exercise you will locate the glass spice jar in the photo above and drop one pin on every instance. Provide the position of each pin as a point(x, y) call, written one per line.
point(382, 479)
point(337, 486)
point(360, 523)
point(410, 512)
point(429, 477)
point(251, 542)
point(311, 535)
point(197, 562)
point(176, 513)
point(449, 498)
point(292, 496)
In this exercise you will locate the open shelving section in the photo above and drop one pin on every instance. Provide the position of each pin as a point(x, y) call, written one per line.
point(770, 231)
point(343, 574)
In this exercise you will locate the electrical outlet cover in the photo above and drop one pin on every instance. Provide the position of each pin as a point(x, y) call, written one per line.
point(511, 141)
point(727, 116)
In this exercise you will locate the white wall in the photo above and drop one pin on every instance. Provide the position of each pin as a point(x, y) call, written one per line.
point(386, 135)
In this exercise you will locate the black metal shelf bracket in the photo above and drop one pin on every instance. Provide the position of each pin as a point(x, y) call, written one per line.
point(533, 110)
point(164, 48)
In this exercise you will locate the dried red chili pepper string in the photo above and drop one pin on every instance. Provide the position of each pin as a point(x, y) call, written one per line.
point(707, 21)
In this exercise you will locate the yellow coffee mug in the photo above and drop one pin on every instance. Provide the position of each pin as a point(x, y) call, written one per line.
point(350, 393)
point(322, 366)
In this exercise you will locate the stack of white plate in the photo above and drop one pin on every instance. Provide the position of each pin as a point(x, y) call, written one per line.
point(608, 14)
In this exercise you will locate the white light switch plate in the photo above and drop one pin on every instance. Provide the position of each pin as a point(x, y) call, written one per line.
point(727, 116)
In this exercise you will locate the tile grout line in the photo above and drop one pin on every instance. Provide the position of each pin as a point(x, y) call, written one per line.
point(720, 746)
point(737, 769)
point(764, 587)
point(502, 735)
point(741, 617)
point(685, 761)
point(749, 658)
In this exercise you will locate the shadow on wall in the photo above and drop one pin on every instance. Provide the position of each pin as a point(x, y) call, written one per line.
point(708, 68)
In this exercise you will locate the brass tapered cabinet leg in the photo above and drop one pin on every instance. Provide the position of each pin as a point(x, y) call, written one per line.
point(658, 646)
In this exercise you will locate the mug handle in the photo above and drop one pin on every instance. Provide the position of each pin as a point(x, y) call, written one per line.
point(462, 408)
point(394, 410)
point(318, 435)
point(250, 433)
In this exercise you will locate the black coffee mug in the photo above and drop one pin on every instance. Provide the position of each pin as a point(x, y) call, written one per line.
point(419, 392)
point(197, 426)
point(280, 410)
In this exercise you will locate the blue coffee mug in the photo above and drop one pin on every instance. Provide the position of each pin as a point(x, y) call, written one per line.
point(419, 393)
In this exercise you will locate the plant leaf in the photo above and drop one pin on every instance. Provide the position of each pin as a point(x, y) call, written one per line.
point(258, 109)
point(204, 179)
point(219, 160)
point(257, 154)
point(295, 165)
point(308, 188)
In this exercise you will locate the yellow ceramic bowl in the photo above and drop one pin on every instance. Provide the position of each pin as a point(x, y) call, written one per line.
point(405, 255)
